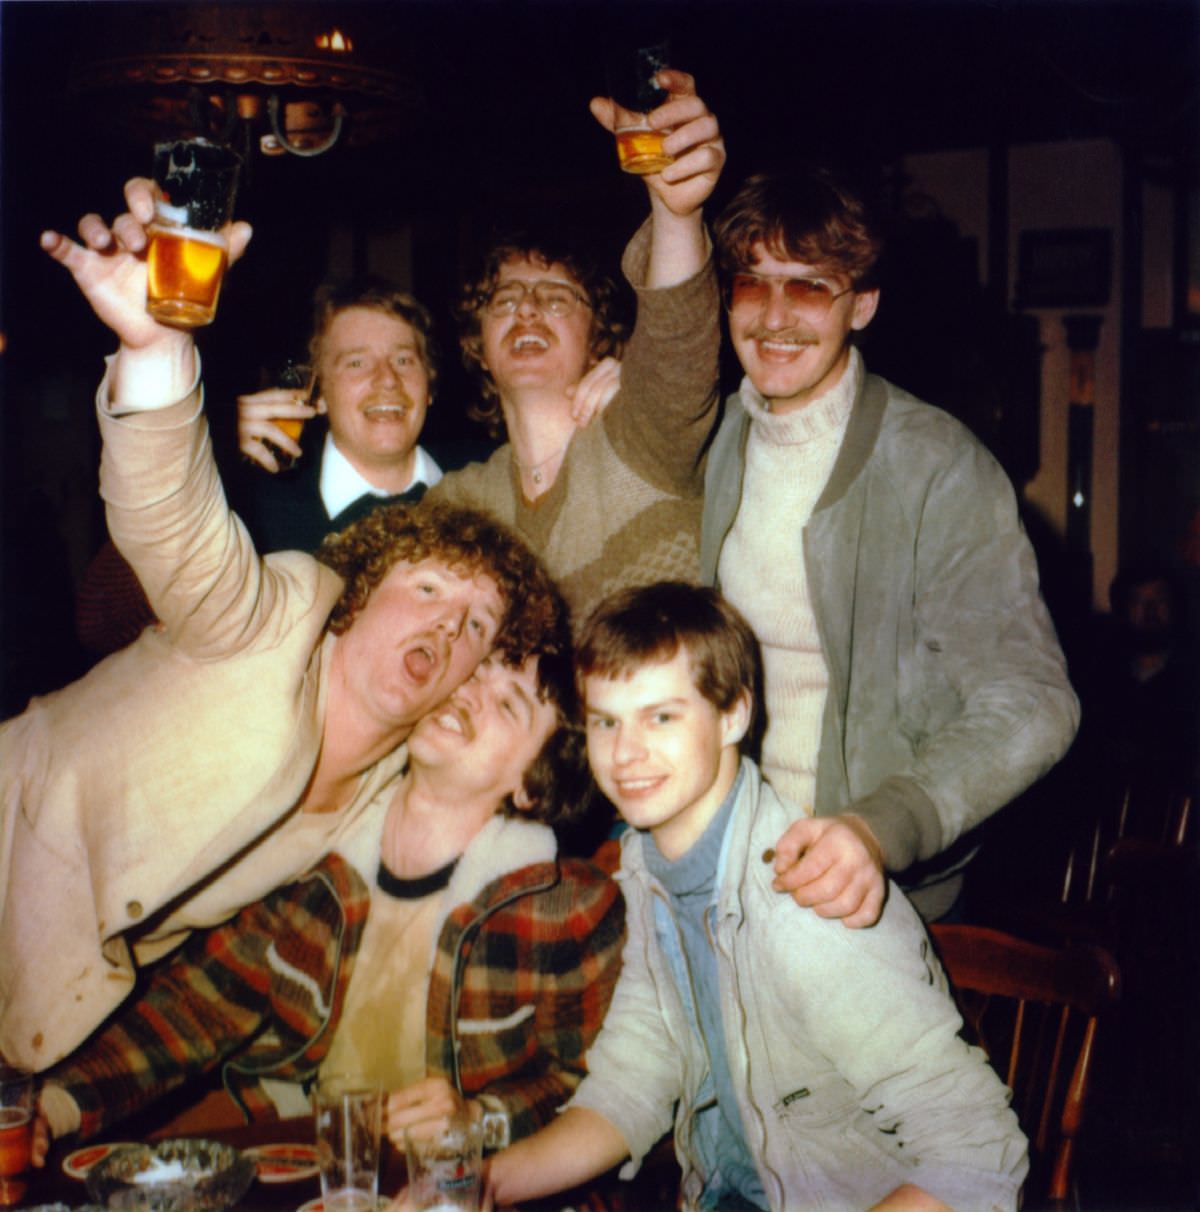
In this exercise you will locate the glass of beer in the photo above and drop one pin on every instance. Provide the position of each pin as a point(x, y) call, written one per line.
point(292, 375)
point(195, 184)
point(633, 86)
point(16, 1131)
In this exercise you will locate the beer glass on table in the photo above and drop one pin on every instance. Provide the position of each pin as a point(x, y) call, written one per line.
point(445, 1161)
point(348, 1114)
point(195, 184)
point(16, 1131)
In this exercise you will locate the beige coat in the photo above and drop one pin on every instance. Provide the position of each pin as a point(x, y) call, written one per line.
point(128, 797)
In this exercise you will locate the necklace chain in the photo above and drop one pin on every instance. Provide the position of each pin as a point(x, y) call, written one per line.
point(534, 470)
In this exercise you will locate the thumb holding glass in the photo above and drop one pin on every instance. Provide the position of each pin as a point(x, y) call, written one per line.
point(108, 265)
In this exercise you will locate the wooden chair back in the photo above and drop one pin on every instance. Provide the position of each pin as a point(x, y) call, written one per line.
point(1034, 1011)
point(1148, 809)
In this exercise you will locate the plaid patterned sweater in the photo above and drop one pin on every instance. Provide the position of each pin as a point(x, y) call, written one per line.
point(521, 980)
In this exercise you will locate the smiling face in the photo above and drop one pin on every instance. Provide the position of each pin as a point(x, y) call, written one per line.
point(420, 635)
point(486, 735)
point(532, 349)
point(662, 753)
point(794, 356)
point(375, 388)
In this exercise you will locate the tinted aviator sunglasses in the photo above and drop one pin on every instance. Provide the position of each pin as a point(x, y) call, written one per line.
point(814, 296)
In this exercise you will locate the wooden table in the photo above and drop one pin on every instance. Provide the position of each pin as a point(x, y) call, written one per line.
point(53, 1185)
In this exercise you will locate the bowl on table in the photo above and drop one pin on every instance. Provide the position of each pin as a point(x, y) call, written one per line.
point(182, 1175)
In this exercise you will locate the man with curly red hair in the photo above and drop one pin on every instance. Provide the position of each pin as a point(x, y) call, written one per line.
point(226, 749)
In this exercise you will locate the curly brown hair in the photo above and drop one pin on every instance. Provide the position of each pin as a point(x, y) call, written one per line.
point(808, 215)
point(467, 540)
point(609, 329)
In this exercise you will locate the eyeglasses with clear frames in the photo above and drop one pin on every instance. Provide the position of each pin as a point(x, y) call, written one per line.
point(554, 298)
point(812, 296)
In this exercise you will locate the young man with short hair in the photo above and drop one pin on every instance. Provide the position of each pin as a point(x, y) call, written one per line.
point(802, 1064)
point(374, 367)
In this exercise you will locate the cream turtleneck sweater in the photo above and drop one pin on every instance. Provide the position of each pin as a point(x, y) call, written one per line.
point(789, 457)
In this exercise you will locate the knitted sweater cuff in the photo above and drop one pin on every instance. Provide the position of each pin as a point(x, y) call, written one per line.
point(904, 820)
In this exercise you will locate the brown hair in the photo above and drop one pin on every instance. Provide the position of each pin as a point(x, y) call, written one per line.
point(558, 781)
point(807, 215)
point(609, 331)
point(466, 540)
point(649, 624)
point(374, 294)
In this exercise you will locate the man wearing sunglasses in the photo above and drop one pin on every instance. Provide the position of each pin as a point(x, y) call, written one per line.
point(913, 680)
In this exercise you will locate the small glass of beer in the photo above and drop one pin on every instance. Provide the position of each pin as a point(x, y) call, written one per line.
point(292, 375)
point(633, 86)
point(195, 184)
point(16, 1131)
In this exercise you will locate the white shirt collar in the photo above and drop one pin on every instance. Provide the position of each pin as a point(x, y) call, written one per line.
point(341, 482)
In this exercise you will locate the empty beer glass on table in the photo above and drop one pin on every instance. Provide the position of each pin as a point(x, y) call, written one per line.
point(16, 1131)
point(633, 86)
point(195, 184)
point(445, 1162)
point(347, 1112)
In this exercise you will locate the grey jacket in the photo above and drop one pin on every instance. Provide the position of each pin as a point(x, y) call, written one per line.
point(843, 1044)
point(948, 692)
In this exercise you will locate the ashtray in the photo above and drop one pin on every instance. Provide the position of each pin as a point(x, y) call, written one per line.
point(181, 1175)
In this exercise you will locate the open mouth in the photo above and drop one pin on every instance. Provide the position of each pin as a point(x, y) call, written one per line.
point(529, 342)
point(421, 663)
point(388, 412)
point(452, 719)
point(778, 347)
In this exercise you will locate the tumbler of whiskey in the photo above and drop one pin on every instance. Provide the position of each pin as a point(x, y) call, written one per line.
point(195, 184)
point(633, 86)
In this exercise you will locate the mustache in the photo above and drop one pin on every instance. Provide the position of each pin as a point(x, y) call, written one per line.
point(395, 399)
point(796, 336)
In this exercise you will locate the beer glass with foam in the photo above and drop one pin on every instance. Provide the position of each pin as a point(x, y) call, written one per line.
point(16, 1131)
point(195, 184)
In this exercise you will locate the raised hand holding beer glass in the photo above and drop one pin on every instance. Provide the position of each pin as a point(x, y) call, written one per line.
point(635, 90)
point(109, 267)
point(691, 140)
point(195, 184)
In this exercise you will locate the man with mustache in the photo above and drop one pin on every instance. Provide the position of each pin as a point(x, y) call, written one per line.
point(223, 751)
point(616, 503)
point(374, 371)
point(913, 681)
point(446, 948)
point(375, 367)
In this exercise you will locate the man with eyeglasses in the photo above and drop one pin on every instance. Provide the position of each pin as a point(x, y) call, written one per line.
point(913, 680)
point(618, 502)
